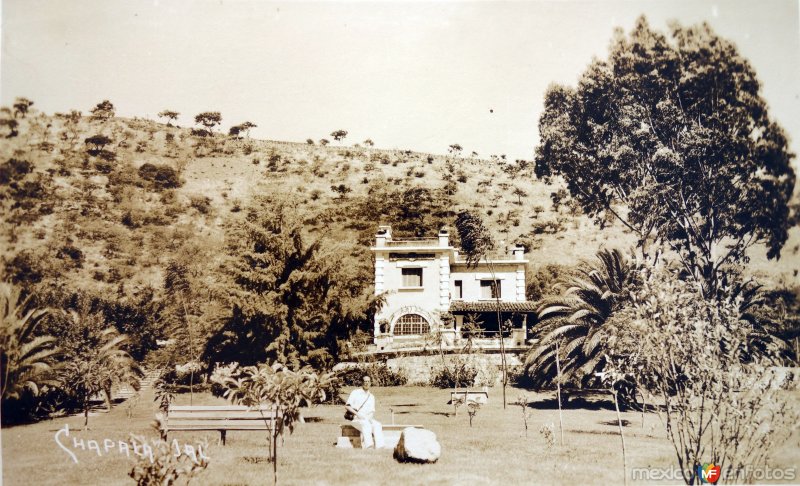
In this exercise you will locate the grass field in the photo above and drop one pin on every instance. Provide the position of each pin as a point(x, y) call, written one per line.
point(494, 451)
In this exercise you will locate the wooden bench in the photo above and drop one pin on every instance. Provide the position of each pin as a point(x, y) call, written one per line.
point(221, 418)
point(477, 396)
point(351, 437)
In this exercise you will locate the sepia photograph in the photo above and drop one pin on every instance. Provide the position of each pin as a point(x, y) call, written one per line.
point(450, 242)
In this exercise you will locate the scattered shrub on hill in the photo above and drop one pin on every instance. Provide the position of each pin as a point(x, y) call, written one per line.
point(32, 198)
point(169, 115)
point(104, 110)
point(201, 203)
point(14, 170)
point(104, 166)
point(161, 176)
point(25, 269)
point(339, 135)
point(12, 125)
point(72, 253)
point(342, 190)
point(549, 227)
point(201, 132)
point(132, 219)
point(541, 283)
point(209, 119)
point(98, 143)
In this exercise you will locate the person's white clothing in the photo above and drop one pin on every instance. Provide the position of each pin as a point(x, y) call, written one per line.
point(364, 402)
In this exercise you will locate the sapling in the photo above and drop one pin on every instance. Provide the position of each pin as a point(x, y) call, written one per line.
point(280, 388)
point(522, 401)
point(549, 436)
point(161, 466)
point(472, 410)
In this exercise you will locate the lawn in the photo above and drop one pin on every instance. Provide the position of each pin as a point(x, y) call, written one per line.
point(494, 450)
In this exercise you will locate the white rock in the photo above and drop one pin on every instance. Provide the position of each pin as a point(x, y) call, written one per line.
point(417, 445)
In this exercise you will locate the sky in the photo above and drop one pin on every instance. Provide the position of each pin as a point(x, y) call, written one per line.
point(412, 75)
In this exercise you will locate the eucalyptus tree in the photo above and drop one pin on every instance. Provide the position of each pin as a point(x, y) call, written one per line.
point(670, 136)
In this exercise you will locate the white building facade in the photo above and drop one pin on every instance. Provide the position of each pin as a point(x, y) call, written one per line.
point(429, 288)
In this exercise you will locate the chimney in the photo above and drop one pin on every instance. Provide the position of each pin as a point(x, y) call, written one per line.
point(384, 234)
point(519, 252)
point(444, 237)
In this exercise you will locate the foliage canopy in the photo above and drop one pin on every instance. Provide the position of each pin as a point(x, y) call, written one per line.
point(670, 136)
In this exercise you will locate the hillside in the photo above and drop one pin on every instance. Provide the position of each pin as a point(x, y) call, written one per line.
point(89, 216)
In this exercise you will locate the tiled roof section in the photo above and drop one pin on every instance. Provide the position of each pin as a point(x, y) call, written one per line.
point(491, 306)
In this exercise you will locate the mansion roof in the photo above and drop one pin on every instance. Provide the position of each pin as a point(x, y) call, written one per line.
point(491, 306)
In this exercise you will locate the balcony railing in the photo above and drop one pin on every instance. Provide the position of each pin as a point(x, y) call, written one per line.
point(413, 242)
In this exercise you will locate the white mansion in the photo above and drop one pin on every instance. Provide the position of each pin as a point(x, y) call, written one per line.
point(428, 286)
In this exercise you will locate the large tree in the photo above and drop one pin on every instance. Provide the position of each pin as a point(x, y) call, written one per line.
point(670, 136)
point(291, 300)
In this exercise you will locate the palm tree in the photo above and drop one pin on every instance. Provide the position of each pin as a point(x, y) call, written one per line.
point(26, 360)
point(574, 322)
point(98, 365)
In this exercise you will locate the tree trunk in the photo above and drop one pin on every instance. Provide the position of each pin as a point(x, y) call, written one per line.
point(621, 436)
point(191, 351)
point(503, 367)
point(558, 390)
point(275, 456)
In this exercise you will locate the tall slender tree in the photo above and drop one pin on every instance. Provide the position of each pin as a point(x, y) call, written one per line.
point(476, 243)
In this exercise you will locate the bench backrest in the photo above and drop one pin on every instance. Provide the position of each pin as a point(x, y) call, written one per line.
point(222, 416)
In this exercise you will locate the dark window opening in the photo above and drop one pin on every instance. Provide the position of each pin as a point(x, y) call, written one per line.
point(412, 277)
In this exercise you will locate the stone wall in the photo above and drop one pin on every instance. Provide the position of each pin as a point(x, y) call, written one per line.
point(418, 368)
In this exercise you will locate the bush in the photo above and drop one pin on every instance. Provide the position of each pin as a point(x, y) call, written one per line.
point(14, 170)
point(444, 376)
point(103, 166)
point(201, 203)
point(161, 176)
point(380, 373)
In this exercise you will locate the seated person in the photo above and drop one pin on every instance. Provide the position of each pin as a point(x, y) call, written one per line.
point(362, 404)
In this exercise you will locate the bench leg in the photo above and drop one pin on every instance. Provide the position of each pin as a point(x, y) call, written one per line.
point(222, 434)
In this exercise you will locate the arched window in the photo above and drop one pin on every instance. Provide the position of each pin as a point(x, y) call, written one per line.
point(411, 324)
